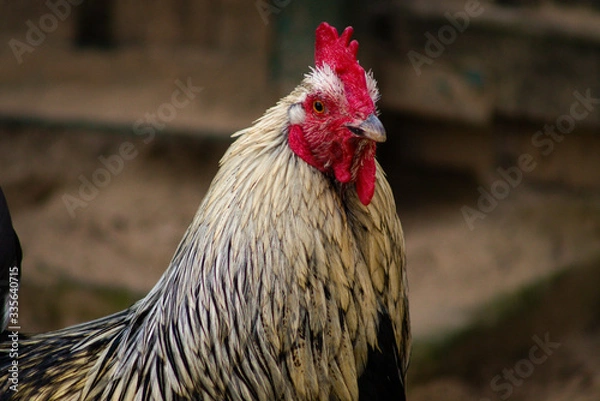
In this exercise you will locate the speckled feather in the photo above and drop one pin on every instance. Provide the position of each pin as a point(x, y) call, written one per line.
point(274, 293)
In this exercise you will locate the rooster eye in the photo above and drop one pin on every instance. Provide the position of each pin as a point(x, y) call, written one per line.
point(318, 106)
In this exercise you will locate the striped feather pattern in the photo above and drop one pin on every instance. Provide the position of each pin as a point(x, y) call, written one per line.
point(274, 293)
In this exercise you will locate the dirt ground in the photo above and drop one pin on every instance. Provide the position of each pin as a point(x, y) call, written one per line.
point(525, 278)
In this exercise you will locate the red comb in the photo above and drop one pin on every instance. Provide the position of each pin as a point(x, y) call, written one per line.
point(340, 54)
point(337, 51)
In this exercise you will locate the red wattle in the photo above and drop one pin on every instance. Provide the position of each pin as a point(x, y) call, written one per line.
point(341, 169)
point(365, 180)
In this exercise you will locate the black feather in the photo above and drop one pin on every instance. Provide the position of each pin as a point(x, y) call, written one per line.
point(382, 379)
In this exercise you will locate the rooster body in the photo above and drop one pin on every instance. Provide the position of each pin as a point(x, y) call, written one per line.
point(280, 289)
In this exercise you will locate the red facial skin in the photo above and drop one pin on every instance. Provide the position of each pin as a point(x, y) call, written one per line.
point(324, 141)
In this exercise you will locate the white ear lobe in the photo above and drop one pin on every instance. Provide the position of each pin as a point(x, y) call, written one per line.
point(296, 114)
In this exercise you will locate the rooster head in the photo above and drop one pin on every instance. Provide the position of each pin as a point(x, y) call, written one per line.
point(334, 125)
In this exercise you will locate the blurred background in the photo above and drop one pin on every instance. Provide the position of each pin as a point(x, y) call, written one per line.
point(113, 116)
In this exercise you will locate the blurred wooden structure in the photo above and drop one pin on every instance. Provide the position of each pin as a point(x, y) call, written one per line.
point(470, 82)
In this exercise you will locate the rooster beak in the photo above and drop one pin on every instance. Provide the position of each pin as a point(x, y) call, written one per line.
point(371, 128)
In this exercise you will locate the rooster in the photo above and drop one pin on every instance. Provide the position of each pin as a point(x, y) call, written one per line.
point(289, 284)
